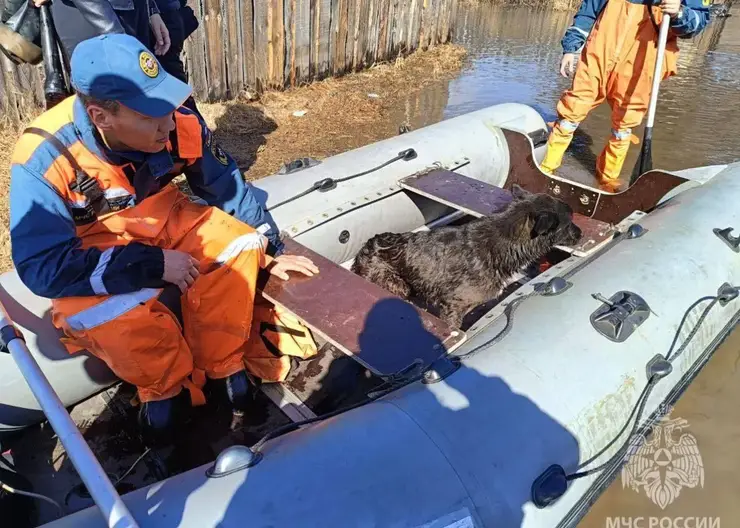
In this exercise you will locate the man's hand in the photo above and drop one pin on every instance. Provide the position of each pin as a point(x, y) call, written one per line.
point(180, 269)
point(670, 7)
point(568, 64)
point(284, 263)
point(39, 3)
point(161, 34)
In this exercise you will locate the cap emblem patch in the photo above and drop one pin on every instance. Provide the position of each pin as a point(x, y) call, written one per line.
point(148, 64)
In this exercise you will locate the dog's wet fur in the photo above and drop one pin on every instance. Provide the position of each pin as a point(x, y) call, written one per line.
point(453, 269)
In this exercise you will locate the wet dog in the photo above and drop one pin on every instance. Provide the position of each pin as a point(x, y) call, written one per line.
point(453, 269)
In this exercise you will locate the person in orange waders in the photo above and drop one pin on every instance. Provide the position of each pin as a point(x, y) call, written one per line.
point(617, 41)
point(98, 227)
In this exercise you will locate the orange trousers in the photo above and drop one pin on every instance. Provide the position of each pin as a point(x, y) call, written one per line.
point(617, 65)
point(136, 335)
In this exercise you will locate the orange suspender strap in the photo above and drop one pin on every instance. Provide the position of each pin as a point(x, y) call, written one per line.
point(83, 184)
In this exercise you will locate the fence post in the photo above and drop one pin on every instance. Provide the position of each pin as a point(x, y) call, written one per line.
point(263, 44)
point(11, 87)
point(195, 52)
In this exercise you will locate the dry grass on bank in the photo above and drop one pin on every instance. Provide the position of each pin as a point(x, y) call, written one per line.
point(340, 113)
point(7, 141)
point(262, 135)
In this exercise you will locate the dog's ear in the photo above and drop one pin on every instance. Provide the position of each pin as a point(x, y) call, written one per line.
point(518, 192)
point(543, 222)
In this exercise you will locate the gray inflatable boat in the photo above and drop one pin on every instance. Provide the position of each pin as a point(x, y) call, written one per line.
point(519, 419)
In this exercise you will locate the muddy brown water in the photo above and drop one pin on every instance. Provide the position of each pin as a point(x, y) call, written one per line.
point(514, 55)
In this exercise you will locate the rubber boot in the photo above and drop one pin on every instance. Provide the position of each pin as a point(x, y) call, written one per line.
point(610, 161)
point(239, 393)
point(558, 142)
point(157, 420)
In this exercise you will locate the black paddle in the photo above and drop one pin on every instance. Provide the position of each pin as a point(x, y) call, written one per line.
point(645, 161)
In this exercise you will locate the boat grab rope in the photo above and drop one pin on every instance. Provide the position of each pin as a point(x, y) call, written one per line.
point(406, 376)
point(639, 406)
point(725, 294)
point(508, 313)
point(327, 184)
point(413, 374)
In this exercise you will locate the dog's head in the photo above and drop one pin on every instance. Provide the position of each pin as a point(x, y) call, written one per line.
point(543, 217)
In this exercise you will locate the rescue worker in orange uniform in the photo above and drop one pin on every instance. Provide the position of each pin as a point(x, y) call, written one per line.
point(618, 42)
point(98, 227)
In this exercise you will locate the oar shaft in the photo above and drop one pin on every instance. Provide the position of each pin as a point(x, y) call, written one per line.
point(657, 75)
point(101, 489)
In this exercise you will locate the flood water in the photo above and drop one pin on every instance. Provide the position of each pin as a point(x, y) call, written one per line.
point(514, 56)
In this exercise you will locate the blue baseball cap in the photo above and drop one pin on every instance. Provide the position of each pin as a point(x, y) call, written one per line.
point(118, 67)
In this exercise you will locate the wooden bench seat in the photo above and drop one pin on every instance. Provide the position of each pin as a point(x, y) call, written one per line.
point(479, 199)
point(383, 332)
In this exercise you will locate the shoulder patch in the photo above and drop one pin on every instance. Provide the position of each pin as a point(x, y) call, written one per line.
point(219, 153)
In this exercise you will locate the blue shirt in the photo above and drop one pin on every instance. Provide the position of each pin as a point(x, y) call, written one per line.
point(693, 20)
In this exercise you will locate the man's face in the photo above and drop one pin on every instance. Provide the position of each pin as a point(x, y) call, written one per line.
point(125, 129)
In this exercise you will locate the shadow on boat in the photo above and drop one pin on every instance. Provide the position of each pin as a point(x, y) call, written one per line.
point(410, 459)
point(396, 460)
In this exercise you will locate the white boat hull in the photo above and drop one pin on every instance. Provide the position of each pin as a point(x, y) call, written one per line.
point(551, 391)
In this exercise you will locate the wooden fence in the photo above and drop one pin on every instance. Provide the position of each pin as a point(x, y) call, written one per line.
point(268, 44)
point(256, 45)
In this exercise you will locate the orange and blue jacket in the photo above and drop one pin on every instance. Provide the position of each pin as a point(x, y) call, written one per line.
point(693, 20)
point(47, 214)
